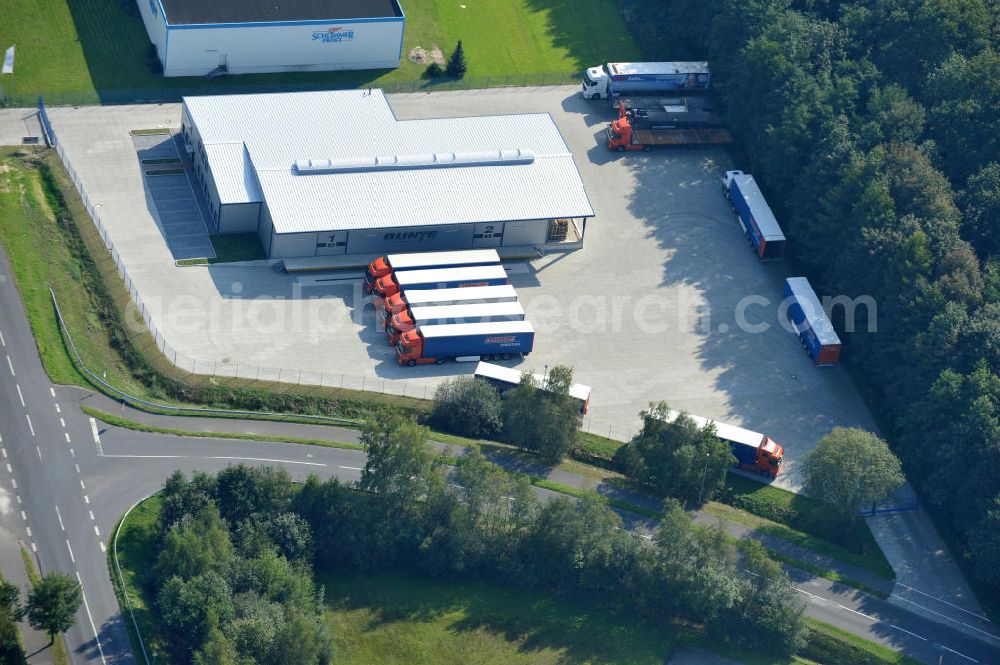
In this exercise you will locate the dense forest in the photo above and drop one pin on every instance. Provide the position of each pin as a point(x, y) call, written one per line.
point(874, 129)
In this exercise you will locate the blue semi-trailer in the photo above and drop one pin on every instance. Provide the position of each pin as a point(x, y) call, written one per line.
point(472, 341)
point(758, 222)
point(811, 323)
point(644, 78)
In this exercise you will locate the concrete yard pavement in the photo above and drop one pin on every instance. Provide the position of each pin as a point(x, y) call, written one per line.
point(653, 307)
point(16, 124)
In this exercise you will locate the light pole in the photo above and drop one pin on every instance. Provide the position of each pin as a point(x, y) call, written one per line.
point(704, 472)
point(545, 377)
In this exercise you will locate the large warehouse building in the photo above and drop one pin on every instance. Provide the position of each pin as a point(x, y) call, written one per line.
point(334, 172)
point(202, 37)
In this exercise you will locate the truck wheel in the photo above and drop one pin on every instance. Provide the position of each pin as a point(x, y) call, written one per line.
point(411, 362)
point(620, 148)
point(505, 356)
point(439, 361)
point(647, 148)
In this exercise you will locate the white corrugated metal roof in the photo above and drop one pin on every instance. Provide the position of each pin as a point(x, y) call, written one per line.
point(234, 175)
point(281, 129)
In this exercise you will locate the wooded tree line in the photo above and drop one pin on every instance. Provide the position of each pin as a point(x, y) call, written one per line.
point(233, 579)
point(874, 130)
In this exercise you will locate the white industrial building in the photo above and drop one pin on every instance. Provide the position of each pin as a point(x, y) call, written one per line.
point(334, 172)
point(201, 37)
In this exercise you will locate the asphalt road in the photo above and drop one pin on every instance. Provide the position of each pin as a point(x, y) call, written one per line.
point(68, 486)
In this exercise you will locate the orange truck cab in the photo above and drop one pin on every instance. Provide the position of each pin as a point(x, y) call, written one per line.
point(384, 265)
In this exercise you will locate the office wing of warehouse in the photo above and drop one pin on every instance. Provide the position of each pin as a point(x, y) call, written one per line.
point(334, 172)
point(205, 37)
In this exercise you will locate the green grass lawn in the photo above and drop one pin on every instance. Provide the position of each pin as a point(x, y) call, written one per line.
point(85, 51)
point(391, 618)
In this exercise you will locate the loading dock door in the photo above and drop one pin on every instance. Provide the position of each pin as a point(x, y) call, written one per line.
point(330, 243)
point(488, 235)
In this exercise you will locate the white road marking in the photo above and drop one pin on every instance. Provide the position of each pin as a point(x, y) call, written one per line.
point(948, 618)
point(58, 410)
point(86, 499)
point(93, 626)
point(103, 549)
point(13, 482)
point(62, 423)
point(4, 451)
point(23, 516)
point(91, 515)
point(52, 391)
point(96, 532)
point(10, 365)
point(148, 456)
point(59, 515)
point(30, 426)
point(20, 395)
point(97, 437)
point(71, 557)
point(28, 529)
point(958, 654)
point(264, 459)
point(354, 468)
point(82, 486)
point(72, 452)
point(3, 342)
point(903, 630)
point(77, 467)
point(18, 497)
point(39, 451)
point(942, 601)
point(9, 470)
point(34, 547)
point(68, 440)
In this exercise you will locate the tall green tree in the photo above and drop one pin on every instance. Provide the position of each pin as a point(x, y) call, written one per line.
point(468, 407)
point(456, 63)
point(53, 602)
point(401, 466)
point(851, 470)
point(543, 419)
point(675, 457)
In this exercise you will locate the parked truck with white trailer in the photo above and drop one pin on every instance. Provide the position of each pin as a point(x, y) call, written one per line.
point(414, 317)
point(507, 378)
point(611, 80)
point(467, 295)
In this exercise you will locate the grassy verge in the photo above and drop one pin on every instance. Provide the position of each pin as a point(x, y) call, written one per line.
point(829, 644)
point(59, 656)
point(136, 543)
point(50, 241)
point(97, 50)
point(873, 562)
point(803, 514)
point(831, 575)
point(118, 421)
point(230, 248)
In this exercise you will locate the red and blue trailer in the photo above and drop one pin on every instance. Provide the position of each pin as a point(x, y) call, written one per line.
point(810, 322)
point(758, 222)
point(754, 452)
point(465, 341)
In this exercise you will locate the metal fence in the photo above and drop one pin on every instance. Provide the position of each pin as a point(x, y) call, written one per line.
point(168, 93)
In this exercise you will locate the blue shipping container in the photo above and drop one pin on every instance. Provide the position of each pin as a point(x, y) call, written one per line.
point(759, 223)
point(744, 452)
point(477, 339)
point(811, 323)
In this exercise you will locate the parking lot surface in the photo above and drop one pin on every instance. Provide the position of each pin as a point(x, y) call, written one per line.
point(664, 302)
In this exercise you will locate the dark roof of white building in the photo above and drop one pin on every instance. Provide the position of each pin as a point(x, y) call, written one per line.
point(199, 12)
